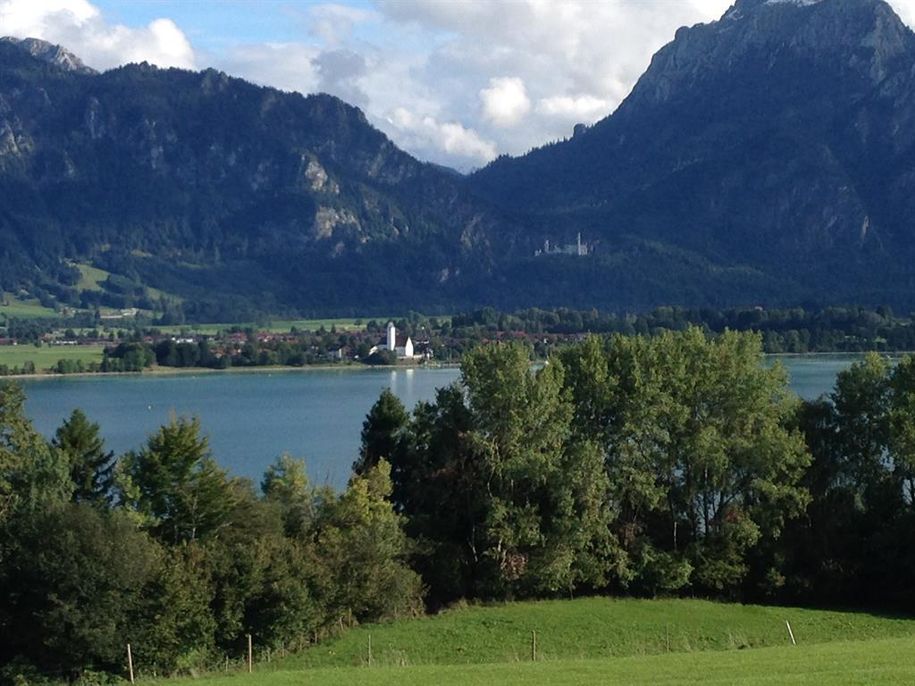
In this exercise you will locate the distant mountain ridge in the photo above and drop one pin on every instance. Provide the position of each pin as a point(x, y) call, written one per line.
point(766, 158)
point(207, 186)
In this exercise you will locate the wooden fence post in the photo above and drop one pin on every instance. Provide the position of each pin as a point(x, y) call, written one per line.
point(250, 655)
point(533, 646)
point(130, 662)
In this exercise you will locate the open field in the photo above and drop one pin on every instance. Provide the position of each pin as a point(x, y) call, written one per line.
point(48, 355)
point(276, 325)
point(883, 661)
point(90, 278)
point(593, 628)
point(604, 640)
point(24, 309)
point(284, 325)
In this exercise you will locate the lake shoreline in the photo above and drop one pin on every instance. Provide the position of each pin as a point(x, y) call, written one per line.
point(263, 369)
point(353, 366)
point(257, 413)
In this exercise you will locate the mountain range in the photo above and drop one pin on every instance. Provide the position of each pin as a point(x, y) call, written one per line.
point(767, 158)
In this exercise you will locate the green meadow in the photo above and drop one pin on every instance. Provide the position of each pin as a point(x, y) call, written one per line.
point(276, 325)
point(882, 661)
point(20, 309)
point(600, 640)
point(48, 355)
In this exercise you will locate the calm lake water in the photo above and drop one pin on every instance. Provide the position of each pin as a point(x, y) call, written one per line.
point(251, 418)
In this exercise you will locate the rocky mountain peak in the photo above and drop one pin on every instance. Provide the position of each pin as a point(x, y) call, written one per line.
point(862, 39)
point(51, 53)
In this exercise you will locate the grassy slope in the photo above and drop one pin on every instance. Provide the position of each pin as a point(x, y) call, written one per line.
point(48, 355)
point(883, 661)
point(600, 639)
point(592, 628)
point(90, 278)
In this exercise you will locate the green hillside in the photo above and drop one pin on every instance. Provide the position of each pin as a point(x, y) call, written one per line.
point(592, 628)
point(600, 640)
point(844, 662)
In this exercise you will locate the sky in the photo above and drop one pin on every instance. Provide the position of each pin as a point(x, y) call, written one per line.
point(456, 82)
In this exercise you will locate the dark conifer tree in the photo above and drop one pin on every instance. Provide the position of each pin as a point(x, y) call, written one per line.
point(80, 442)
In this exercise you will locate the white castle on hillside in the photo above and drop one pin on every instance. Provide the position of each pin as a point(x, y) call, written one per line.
point(577, 248)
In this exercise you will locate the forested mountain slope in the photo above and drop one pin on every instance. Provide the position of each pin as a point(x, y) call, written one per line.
point(779, 138)
point(766, 159)
point(208, 186)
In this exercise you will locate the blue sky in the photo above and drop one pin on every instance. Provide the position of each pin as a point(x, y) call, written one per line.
point(216, 26)
point(456, 82)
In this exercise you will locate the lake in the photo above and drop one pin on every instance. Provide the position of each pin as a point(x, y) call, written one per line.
point(251, 418)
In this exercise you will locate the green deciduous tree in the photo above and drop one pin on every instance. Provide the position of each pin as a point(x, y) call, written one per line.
point(174, 628)
point(74, 588)
point(286, 485)
point(857, 535)
point(33, 475)
point(500, 498)
point(699, 450)
point(547, 519)
point(360, 552)
point(902, 426)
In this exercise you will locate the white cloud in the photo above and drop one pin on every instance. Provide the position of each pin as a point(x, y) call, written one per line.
point(505, 102)
point(333, 23)
point(576, 59)
point(425, 132)
point(19, 17)
point(288, 66)
point(577, 108)
point(79, 26)
point(906, 10)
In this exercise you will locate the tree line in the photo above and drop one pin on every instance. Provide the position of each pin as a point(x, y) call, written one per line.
point(783, 330)
point(789, 330)
point(675, 464)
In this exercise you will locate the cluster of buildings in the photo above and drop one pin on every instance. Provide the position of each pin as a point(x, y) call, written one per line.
point(577, 248)
point(333, 347)
point(402, 346)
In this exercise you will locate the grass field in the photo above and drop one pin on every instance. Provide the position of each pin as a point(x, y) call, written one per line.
point(24, 309)
point(600, 640)
point(90, 278)
point(593, 628)
point(276, 325)
point(48, 355)
point(882, 661)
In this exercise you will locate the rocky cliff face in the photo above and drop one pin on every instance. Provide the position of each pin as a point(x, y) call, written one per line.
point(50, 53)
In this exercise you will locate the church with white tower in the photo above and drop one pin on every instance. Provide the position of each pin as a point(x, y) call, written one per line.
point(402, 348)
